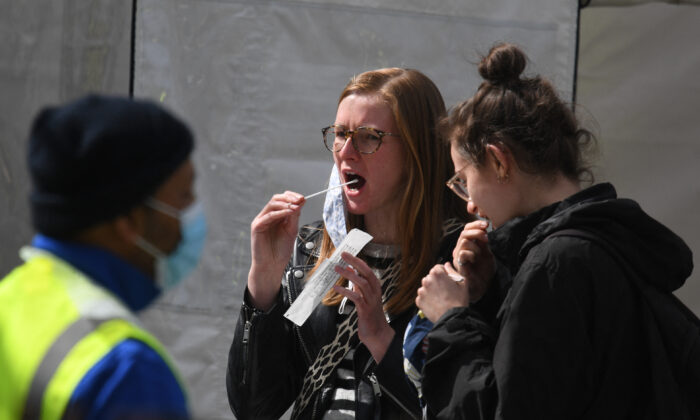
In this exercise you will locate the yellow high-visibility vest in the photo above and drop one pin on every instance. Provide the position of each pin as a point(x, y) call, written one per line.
point(53, 316)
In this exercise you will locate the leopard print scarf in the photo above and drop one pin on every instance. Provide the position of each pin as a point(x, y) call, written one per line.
point(345, 339)
point(346, 335)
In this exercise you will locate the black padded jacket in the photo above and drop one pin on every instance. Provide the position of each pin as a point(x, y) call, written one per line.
point(569, 341)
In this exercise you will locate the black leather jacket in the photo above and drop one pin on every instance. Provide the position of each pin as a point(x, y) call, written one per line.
point(270, 355)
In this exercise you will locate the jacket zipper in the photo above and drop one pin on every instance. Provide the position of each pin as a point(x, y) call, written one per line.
point(396, 400)
point(303, 346)
point(375, 385)
point(313, 412)
point(377, 388)
point(246, 338)
point(292, 298)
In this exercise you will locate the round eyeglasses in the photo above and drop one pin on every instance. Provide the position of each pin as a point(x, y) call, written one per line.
point(365, 140)
point(458, 186)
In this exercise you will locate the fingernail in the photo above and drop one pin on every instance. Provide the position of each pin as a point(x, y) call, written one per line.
point(456, 277)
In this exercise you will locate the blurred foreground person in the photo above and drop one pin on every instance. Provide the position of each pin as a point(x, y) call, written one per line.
point(117, 224)
point(589, 328)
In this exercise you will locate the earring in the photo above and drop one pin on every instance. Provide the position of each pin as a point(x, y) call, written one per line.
point(503, 179)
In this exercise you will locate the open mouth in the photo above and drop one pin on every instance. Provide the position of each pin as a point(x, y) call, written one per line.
point(350, 176)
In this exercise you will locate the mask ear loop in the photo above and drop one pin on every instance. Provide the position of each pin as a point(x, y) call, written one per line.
point(148, 248)
point(167, 209)
point(186, 215)
point(334, 218)
point(163, 207)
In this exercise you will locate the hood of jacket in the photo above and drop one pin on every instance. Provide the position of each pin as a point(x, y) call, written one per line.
point(657, 254)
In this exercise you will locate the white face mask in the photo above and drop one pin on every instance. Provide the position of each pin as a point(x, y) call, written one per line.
point(171, 269)
point(334, 212)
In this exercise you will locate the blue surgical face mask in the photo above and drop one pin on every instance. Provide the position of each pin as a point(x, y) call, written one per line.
point(171, 269)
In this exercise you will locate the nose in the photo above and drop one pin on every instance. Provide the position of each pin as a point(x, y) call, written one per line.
point(348, 150)
point(472, 208)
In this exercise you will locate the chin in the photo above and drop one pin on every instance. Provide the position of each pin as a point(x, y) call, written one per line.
point(495, 224)
point(355, 210)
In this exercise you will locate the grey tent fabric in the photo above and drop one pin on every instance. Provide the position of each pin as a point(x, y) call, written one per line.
point(52, 51)
point(638, 88)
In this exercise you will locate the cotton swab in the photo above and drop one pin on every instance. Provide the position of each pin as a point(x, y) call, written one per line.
point(328, 189)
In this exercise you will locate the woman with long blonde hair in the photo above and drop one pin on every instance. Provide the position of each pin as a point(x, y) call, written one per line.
point(345, 361)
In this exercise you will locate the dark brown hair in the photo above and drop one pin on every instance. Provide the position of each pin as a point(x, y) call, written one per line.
point(416, 105)
point(524, 114)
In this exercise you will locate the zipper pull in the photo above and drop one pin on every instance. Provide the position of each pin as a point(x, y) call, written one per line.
point(246, 332)
point(246, 338)
point(375, 385)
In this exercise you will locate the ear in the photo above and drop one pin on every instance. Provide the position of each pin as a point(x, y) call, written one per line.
point(130, 225)
point(501, 161)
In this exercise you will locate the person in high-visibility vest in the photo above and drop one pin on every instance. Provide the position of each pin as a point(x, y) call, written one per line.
point(113, 204)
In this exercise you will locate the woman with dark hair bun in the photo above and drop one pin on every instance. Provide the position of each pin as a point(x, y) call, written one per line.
point(571, 340)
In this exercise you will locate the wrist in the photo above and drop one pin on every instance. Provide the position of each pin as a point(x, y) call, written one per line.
point(262, 291)
point(262, 301)
point(266, 269)
point(380, 346)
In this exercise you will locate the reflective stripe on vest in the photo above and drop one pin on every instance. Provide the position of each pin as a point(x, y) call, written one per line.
point(56, 325)
point(52, 359)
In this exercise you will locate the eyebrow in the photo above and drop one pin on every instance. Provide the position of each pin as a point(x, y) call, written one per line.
point(362, 126)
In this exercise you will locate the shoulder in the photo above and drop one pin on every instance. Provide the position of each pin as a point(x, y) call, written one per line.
point(570, 267)
point(130, 378)
point(313, 232)
point(307, 246)
point(571, 246)
point(555, 255)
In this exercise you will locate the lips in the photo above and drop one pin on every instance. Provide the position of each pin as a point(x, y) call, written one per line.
point(349, 176)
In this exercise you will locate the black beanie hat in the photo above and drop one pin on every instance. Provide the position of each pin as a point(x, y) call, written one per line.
point(98, 157)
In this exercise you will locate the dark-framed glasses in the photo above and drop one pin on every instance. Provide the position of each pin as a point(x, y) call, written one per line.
point(458, 186)
point(365, 140)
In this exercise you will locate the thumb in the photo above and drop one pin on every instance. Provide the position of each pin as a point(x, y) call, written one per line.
point(454, 274)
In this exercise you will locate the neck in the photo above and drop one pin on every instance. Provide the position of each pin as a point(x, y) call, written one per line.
point(382, 228)
point(105, 237)
point(543, 192)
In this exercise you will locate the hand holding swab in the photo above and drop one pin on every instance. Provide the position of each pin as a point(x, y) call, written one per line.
point(328, 189)
point(456, 278)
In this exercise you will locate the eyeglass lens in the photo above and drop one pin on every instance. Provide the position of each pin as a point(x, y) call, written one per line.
point(461, 190)
point(364, 140)
point(458, 185)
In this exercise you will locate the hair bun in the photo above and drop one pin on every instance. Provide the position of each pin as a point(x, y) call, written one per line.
point(503, 64)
